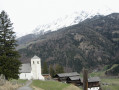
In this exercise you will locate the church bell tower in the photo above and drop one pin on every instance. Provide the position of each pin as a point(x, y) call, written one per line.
point(36, 68)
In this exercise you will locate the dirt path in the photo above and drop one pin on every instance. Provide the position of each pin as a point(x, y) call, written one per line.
point(26, 87)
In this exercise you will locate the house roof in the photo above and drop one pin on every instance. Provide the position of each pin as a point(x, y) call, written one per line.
point(75, 78)
point(35, 57)
point(25, 68)
point(68, 74)
point(94, 79)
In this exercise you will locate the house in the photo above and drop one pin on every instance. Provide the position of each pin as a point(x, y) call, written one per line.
point(31, 70)
point(63, 76)
point(76, 80)
point(93, 82)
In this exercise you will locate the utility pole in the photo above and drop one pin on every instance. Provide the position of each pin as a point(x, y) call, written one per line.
point(85, 79)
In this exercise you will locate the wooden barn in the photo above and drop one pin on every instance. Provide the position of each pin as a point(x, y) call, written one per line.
point(93, 82)
point(76, 80)
point(63, 76)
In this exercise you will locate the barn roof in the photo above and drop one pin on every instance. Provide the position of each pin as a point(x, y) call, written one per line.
point(75, 78)
point(25, 68)
point(35, 57)
point(94, 79)
point(68, 74)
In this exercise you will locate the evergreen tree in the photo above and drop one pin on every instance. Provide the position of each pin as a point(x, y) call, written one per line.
point(52, 72)
point(9, 63)
point(59, 69)
point(45, 68)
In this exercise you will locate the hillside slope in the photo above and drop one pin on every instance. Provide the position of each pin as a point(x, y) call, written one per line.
point(92, 43)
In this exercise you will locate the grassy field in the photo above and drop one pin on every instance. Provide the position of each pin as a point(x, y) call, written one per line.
point(53, 85)
point(110, 84)
point(97, 74)
point(19, 81)
point(49, 85)
point(107, 83)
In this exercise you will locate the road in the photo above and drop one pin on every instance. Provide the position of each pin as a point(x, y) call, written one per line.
point(26, 87)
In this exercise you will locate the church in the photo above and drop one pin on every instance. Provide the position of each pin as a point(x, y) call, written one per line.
point(31, 70)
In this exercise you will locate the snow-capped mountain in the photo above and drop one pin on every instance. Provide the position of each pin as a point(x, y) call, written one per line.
point(68, 20)
point(61, 22)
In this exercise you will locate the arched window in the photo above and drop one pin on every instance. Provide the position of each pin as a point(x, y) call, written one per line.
point(33, 62)
point(37, 62)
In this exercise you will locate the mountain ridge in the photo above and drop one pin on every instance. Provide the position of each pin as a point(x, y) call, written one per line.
point(58, 24)
point(92, 43)
point(67, 20)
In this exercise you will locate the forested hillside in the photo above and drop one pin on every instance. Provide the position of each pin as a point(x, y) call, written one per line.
point(92, 43)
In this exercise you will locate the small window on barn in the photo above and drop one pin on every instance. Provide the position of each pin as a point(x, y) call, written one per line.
point(33, 62)
point(37, 62)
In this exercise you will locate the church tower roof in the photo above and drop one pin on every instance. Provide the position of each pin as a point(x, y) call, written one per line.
point(35, 57)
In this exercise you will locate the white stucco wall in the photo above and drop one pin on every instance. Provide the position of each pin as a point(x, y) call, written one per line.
point(36, 69)
point(35, 72)
point(25, 76)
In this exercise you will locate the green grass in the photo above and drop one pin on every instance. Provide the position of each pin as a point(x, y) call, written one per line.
point(97, 74)
point(112, 84)
point(113, 66)
point(49, 85)
point(107, 83)
point(105, 67)
point(20, 81)
point(102, 72)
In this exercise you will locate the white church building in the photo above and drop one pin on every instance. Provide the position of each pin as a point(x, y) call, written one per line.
point(31, 70)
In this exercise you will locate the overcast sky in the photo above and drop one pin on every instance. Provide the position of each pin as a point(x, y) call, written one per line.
point(28, 14)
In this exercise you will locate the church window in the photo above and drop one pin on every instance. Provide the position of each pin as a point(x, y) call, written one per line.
point(33, 62)
point(37, 62)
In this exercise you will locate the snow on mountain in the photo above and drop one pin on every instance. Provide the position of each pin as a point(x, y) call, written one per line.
point(68, 20)
point(61, 22)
